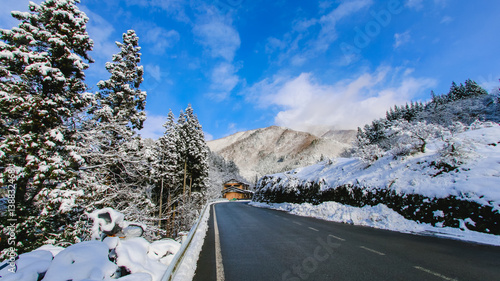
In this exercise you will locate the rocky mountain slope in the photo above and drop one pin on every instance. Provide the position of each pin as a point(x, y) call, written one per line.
point(277, 149)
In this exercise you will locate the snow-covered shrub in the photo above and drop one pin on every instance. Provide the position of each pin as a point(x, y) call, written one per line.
point(456, 128)
point(366, 151)
point(369, 153)
point(456, 151)
point(476, 125)
point(408, 138)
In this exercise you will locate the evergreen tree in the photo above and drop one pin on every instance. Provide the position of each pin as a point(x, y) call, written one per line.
point(42, 65)
point(118, 169)
point(193, 170)
point(455, 92)
point(120, 97)
point(167, 171)
point(473, 89)
point(196, 150)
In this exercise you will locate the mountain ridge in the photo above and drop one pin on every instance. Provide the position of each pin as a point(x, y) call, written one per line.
point(275, 149)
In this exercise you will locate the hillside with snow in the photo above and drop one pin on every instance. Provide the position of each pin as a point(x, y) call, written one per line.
point(424, 187)
point(276, 149)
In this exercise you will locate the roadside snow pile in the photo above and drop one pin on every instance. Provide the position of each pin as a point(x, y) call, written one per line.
point(187, 267)
point(455, 182)
point(379, 216)
point(112, 258)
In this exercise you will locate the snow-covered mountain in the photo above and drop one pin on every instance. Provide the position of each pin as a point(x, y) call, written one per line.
point(276, 149)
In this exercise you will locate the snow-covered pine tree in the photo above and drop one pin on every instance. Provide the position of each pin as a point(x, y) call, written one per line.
point(472, 89)
point(120, 97)
point(118, 163)
point(196, 151)
point(193, 160)
point(42, 63)
point(166, 166)
point(120, 104)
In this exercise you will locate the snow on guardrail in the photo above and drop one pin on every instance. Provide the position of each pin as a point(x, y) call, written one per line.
point(183, 265)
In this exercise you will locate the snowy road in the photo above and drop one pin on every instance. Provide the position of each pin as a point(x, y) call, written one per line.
point(263, 244)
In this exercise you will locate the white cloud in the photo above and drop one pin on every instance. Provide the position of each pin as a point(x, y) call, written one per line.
point(328, 33)
point(175, 8)
point(415, 4)
point(153, 126)
point(308, 105)
point(100, 30)
point(401, 39)
point(215, 32)
point(321, 41)
point(221, 39)
point(208, 137)
point(160, 38)
point(490, 83)
point(154, 71)
point(419, 5)
point(223, 81)
point(446, 19)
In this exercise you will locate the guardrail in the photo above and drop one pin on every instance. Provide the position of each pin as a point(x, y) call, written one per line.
point(179, 257)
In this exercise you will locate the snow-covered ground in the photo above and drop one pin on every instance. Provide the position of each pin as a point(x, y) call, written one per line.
point(477, 179)
point(379, 216)
point(96, 259)
point(103, 260)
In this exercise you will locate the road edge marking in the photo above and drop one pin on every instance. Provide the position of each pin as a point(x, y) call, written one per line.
point(435, 273)
point(218, 253)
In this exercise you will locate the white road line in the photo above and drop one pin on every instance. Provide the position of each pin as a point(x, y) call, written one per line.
point(371, 250)
point(313, 229)
point(338, 238)
point(435, 273)
point(297, 223)
point(218, 254)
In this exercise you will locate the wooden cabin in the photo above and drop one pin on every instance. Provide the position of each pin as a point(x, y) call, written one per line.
point(234, 189)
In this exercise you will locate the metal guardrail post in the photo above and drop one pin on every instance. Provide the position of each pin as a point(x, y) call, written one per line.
point(179, 257)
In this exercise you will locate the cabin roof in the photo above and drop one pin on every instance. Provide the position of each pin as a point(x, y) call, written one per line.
point(235, 181)
point(237, 190)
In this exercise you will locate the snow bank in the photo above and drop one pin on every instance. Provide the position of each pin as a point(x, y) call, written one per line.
point(96, 260)
point(379, 216)
point(29, 266)
point(85, 260)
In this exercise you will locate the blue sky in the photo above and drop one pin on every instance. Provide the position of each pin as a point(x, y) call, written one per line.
point(306, 65)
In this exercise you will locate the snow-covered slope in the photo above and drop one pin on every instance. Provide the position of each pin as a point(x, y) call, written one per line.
point(415, 186)
point(478, 178)
point(275, 149)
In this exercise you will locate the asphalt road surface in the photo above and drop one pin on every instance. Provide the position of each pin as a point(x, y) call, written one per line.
point(262, 244)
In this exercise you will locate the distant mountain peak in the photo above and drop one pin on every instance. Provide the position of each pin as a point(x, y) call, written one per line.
point(275, 149)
